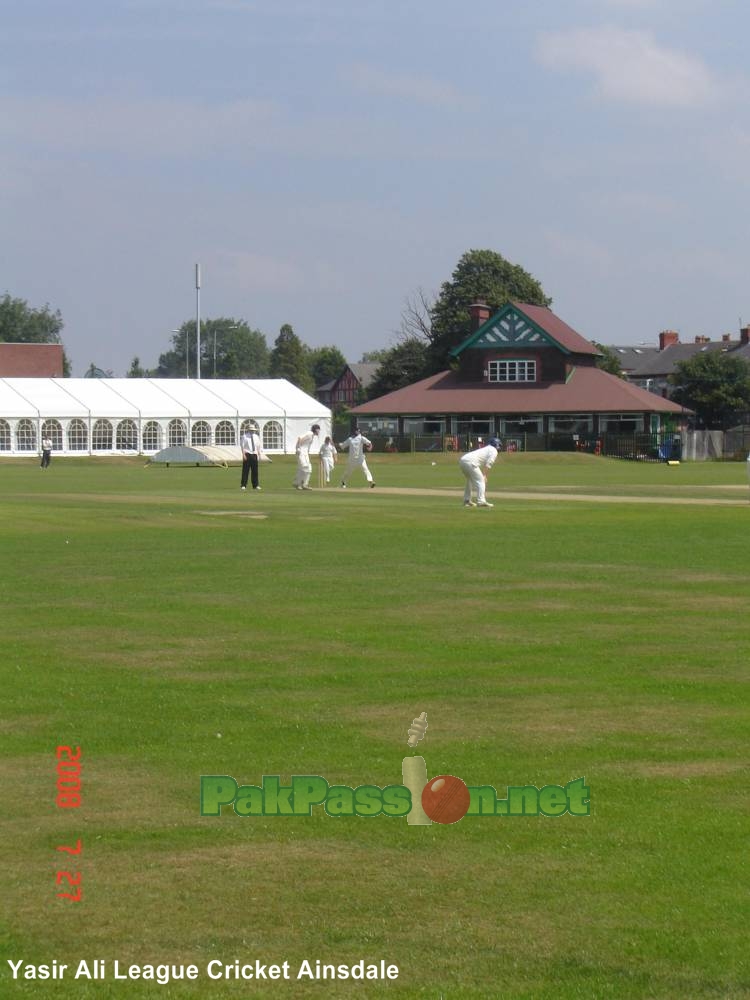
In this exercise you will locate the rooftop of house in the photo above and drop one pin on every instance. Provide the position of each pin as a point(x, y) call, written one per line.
point(648, 361)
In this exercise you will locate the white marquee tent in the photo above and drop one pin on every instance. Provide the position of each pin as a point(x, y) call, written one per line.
point(130, 416)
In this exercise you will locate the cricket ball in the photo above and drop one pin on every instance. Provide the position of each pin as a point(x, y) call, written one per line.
point(445, 799)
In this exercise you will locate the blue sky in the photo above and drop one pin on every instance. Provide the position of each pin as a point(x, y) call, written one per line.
point(324, 160)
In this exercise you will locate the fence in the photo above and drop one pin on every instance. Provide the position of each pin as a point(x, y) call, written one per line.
point(644, 446)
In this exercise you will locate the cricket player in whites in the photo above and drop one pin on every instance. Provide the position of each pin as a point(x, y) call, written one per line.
point(475, 465)
point(356, 444)
point(304, 468)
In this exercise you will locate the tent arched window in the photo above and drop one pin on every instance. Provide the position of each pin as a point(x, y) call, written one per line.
point(152, 436)
point(4, 435)
point(101, 436)
point(200, 433)
point(127, 436)
point(225, 433)
point(53, 430)
point(25, 436)
point(78, 436)
point(273, 435)
point(177, 433)
point(249, 425)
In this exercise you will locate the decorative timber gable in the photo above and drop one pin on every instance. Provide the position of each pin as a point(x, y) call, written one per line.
point(508, 328)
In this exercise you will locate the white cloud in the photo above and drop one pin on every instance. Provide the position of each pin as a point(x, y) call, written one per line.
point(630, 66)
point(419, 89)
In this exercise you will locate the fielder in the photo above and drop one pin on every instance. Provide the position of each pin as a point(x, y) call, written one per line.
point(327, 459)
point(304, 468)
point(356, 444)
point(475, 465)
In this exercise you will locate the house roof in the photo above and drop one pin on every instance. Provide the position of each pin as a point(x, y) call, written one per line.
point(543, 323)
point(652, 362)
point(587, 389)
point(364, 371)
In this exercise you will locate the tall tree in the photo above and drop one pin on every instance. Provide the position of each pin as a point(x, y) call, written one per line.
point(405, 363)
point(715, 385)
point(325, 364)
point(238, 351)
point(22, 324)
point(136, 370)
point(480, 275)
point(288, 359)
point(374, 357)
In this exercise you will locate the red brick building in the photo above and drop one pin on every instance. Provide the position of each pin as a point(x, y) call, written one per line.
point(346, 390)
point(31, 360)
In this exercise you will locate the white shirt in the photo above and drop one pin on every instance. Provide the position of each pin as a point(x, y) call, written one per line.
point(250, 443)
point(482, 458)
point(303, 444)
point(46, 444)
point(356, 445)
point(327, 450)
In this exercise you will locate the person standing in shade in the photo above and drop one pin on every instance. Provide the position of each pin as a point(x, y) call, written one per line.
point(475, 465)
point(356, 444)
point(304, 468)
point(327, 459)
point(46, 451)
point(250, 445)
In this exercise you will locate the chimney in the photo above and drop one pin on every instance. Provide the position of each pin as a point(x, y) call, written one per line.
point(480, 313)
point(667, 338)
point(726, 338)
point(702, 339)
point(745, 335)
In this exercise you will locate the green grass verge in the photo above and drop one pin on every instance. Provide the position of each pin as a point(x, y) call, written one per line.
point(174, 627)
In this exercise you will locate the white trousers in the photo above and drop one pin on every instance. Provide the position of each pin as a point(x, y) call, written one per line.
point(353, 466)
point(302, 476)
point(475, 479)
point(327, 464)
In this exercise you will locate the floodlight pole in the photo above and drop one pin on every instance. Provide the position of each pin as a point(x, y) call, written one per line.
point(198, 319)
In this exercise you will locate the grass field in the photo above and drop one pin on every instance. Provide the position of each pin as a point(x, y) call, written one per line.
point(172, 626)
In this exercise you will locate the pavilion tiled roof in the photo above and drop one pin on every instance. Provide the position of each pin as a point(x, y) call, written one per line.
point(587, 389)
point(564, 335)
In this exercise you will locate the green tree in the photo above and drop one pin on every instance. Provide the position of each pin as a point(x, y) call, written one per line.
point(405, 363)
point(289, 361)
point(374, 357)
point(238, 351)
point(608, 362)
point(715, 385)
point(22, 324)
point(480, 275)
point(325, 364)
point(136, 370)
